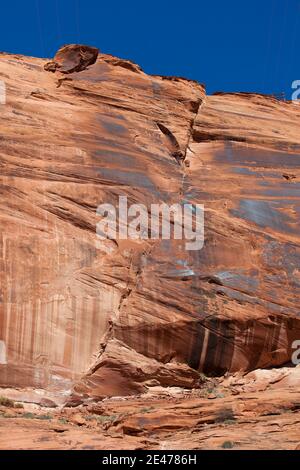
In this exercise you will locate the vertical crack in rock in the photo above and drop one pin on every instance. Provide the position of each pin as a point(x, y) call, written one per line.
point(129, 290)
point(190, 136)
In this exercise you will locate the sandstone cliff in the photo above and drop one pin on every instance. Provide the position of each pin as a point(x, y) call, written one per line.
point(109, 319)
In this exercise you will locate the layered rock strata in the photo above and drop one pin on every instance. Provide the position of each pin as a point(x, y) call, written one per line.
point(113, 317)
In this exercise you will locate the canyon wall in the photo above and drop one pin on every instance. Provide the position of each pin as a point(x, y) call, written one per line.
point(88, 317)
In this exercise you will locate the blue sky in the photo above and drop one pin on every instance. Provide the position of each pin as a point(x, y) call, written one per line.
point(229, 45)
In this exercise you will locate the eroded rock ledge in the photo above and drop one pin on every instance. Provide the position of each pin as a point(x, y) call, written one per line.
point(88, 320)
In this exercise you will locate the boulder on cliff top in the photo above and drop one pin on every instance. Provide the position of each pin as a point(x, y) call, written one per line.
point(72, 58)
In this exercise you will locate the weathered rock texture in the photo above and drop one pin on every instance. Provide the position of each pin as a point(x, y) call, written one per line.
point(259, 410)
point(111, 318)
point(72, 58)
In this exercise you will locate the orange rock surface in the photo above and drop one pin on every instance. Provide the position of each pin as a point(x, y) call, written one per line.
point(84, 319)
point(256, 411)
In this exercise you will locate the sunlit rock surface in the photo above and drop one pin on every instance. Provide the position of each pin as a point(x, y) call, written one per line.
point(111, 318)
point(254, 411)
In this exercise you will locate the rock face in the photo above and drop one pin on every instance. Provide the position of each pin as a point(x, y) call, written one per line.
point(113, 317)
